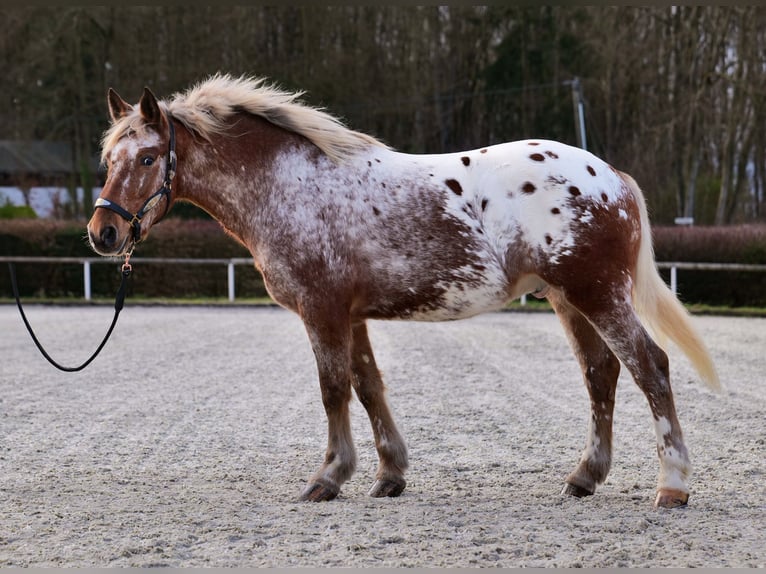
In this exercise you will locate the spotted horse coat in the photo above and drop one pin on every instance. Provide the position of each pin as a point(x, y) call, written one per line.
point(344, 229)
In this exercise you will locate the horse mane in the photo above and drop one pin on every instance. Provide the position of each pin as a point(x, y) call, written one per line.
point(205, 108)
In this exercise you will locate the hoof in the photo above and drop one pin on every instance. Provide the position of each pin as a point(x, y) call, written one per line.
point(319, 492)
point(574, 490)
point(668, 498)
point(387, 487)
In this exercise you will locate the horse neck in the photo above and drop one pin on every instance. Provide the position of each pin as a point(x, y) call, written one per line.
point(228, 175)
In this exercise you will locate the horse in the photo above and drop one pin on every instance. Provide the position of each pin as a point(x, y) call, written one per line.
point(345, 229)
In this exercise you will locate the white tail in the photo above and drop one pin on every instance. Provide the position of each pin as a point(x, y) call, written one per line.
point(659, 308)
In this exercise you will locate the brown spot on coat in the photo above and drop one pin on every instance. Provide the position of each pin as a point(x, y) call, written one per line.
point(375, 210)
point(484, 203)
point(455, 186)
point(466, 160)
point(528, 187)
point(483, 150)
point(533, 143)
point(591, 171)
point(555, 211)
point(604, 196)
point(537, 157)
point(551, 155)
point(548, 239)
point(558, 180)
point(574, 190)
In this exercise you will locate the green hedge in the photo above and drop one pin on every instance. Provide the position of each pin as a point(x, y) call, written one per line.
point(729, 244)
point(171, 238)
point(205, 239)
point(9, 211)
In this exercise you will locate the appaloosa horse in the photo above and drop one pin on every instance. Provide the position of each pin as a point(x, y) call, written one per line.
point(344, 229)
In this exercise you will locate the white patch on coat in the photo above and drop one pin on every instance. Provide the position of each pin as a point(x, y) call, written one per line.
point(592, 449)
point(124, 158)
point(662, 428)
point(674, 465)
point(512, 215)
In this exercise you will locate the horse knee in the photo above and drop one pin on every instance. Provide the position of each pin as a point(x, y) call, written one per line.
point(610, 366)
point(601, 378)
point(335, 395)
point(368, 388)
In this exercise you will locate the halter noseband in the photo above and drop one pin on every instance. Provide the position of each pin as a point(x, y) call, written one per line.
point(170, 171)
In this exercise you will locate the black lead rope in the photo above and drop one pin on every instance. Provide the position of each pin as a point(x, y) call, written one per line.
point(118, 304)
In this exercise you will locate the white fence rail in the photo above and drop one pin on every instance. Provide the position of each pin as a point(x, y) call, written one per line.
point(230, 264)
point(87, 261)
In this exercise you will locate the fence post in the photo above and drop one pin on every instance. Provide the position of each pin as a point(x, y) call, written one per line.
point(673, 279)
point(231, 280)
point(86, 279)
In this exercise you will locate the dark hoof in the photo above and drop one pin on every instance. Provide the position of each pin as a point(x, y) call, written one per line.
point(669, 498)
point(318, 492)
point(387, 487)
point(574, 490)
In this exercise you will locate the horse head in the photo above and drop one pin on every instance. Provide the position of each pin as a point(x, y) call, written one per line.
point(139, 150)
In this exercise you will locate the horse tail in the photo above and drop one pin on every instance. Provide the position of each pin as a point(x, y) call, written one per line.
point(659, 308)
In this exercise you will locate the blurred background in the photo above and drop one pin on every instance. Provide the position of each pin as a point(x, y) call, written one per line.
point(675, 96)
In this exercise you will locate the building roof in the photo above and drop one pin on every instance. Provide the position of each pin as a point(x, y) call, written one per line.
point(35, 158)
point(35, 163)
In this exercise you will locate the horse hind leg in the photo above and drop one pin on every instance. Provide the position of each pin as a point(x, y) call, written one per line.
point(619, 326)
point(600, 369)
point(369, 387)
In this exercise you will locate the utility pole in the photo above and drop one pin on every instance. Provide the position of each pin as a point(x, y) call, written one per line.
point(579, 113)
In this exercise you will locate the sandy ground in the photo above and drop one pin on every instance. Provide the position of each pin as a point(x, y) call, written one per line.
point(188, 441)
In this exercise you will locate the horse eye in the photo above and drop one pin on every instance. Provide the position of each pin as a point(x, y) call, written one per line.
point(147, 160)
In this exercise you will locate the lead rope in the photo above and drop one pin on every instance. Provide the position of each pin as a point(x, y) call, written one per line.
point(118, 304)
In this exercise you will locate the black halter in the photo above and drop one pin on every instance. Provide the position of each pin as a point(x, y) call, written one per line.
point(170, 171)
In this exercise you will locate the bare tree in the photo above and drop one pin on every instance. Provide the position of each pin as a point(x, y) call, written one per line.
point(675, 95)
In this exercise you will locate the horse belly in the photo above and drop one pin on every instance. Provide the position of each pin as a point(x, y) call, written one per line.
point(458, 294)
point(461, 301)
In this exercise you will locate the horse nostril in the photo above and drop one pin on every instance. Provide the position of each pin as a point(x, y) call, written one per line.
point(109, 236)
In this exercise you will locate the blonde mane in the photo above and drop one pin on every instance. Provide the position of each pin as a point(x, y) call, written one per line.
point(205, 108)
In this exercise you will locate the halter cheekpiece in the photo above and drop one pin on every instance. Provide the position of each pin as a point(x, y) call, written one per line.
point(170, 171)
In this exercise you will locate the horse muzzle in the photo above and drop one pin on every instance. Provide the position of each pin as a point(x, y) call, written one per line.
point(107, 238)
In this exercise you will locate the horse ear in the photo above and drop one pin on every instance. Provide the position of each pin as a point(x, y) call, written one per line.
point(118, 108)
point(150, 109)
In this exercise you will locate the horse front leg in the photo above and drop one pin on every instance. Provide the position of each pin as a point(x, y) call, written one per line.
point(600, 369)
point(331, 343)
point(369, 387)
